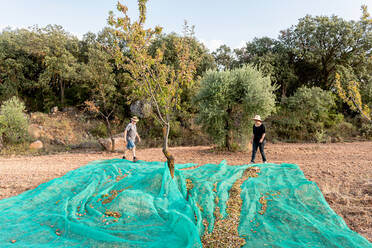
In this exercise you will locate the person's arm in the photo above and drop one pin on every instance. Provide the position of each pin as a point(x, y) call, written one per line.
point(125, 133)
point(125, 136)
point(263, 135)
point(253, 134)
point(139, 138)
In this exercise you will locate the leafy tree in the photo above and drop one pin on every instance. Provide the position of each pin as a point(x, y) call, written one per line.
point(273, 59)
point(228, 99)
point(255, 49)
point(37, 63)
point(13, 121)
point(322, 43)
point(99, 72)
point(198, 52)
point(224, 57)
point(45, 66)
point(60, 63)
point(353, 82)
point(200, 57)
point(152, 78)
point(18, 66)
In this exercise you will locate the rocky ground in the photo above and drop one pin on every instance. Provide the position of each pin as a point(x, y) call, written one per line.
point(343, 171)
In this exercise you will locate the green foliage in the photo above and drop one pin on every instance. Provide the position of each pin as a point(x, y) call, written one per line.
point(274, 59)
point(105, 94)
point(224, 57)
point(349, 91)
point(228, 100)
point(314, 103)
point(327, 42)
point(47, 67)
point(60, 64)
point(306, 115)
point(310, 53)
point(153, 78)
point(13, 121)
point(342, 131)
point(19, 149)
point(198, 54)
point(100, 130)
point(366, 130)
point(18, 66)
point(40, 64)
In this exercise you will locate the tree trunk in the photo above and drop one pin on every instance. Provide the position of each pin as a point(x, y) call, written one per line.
point(170, 158)
point(228, 138)
point(108, 125)
point(284, 90)
point(62, 85)
point(325, 74)
point(1, 142)
point(361, 111)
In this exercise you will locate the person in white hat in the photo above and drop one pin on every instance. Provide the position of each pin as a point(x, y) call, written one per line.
point(130, 135)
point(258, 140)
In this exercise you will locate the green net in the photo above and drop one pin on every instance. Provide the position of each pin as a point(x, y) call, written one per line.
point(118, 203)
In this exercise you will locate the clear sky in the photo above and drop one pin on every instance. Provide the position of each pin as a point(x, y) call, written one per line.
point(216, 22)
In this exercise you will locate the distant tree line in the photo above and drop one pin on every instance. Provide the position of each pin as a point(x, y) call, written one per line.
point(320, 71)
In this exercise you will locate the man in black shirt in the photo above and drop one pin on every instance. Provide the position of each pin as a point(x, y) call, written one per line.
point(258, 140)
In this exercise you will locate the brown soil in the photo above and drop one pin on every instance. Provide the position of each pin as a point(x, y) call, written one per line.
point(343, 171)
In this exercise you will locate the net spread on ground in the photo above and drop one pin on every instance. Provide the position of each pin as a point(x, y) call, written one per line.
point(118, 203)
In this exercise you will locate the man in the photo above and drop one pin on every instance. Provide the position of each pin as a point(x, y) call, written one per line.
point(130, 135)
point(258, 140)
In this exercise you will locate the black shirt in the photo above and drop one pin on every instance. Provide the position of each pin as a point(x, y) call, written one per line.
point(258, 132)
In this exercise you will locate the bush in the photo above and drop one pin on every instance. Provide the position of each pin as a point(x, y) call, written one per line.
point(13, 121)
point(366, 130)
point(306, 115)
point(99, 131)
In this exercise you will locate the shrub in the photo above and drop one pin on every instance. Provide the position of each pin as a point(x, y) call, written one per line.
point(306, 115)
point(366, 130)
point(13, 121)
point(99, 131)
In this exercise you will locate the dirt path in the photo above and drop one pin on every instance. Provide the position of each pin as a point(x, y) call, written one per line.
point(343, 171)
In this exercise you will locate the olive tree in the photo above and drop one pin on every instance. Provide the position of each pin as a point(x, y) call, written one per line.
point(229, 99)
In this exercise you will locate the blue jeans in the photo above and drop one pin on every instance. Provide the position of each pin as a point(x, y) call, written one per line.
point(256, 145)
point(130, 144)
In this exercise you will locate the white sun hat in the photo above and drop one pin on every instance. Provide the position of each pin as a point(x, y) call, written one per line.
point(257, 118)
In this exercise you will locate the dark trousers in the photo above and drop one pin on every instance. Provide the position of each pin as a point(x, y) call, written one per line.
point(256, 145)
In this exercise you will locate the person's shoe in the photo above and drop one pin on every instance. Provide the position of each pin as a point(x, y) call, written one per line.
point(124, 157)
point(265, 162)
point(252, 162)
point(135, 159)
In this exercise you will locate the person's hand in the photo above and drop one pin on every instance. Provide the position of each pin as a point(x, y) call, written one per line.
point(261, 140)
point(139, 139)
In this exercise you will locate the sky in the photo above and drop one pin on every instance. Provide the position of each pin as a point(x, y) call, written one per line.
point(217, 22)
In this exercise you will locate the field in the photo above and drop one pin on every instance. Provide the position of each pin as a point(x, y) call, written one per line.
point(343, 171)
